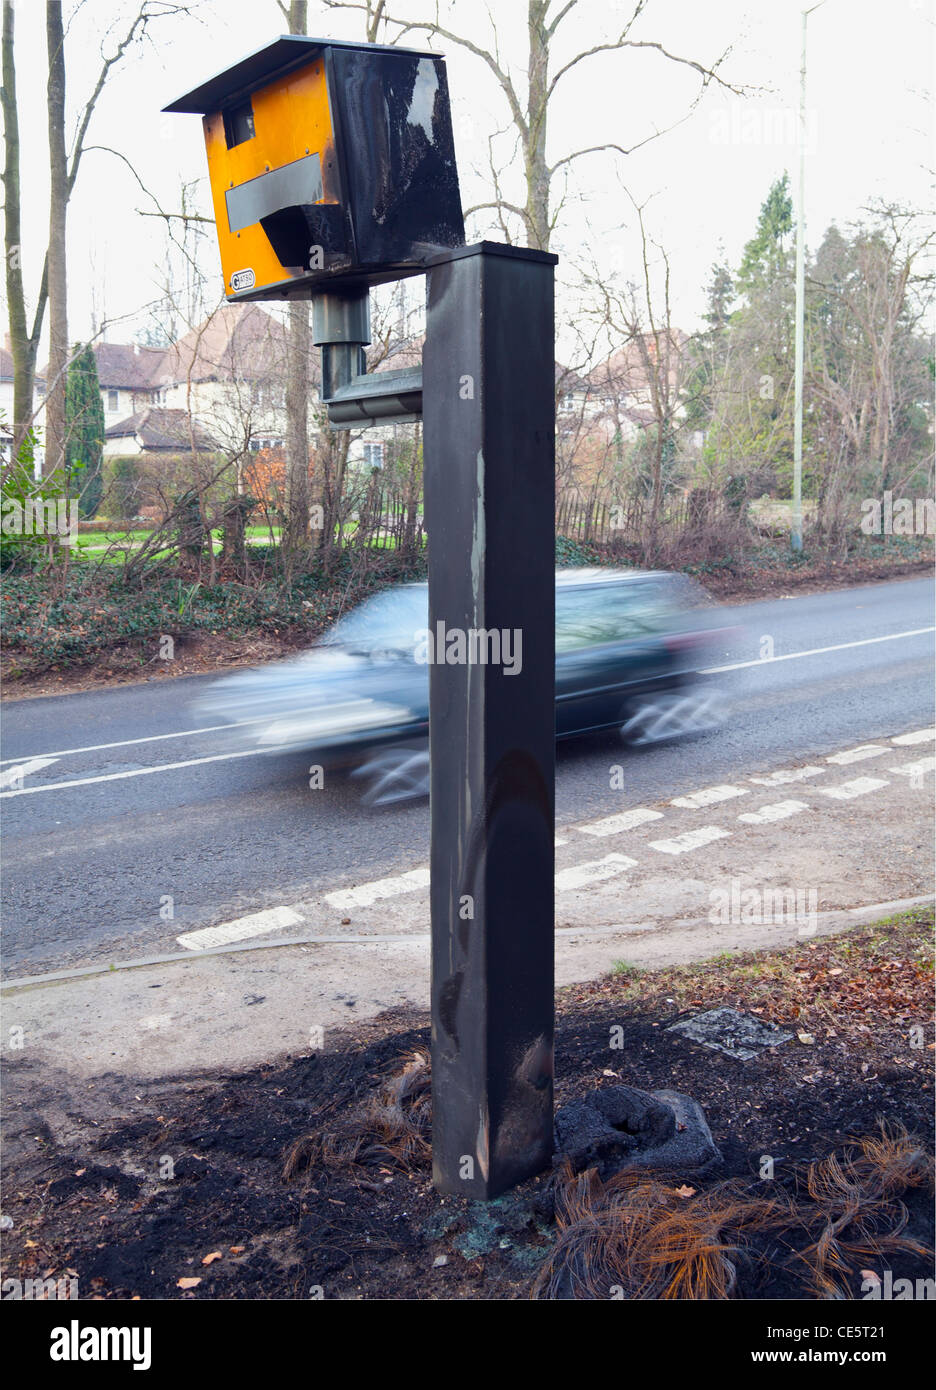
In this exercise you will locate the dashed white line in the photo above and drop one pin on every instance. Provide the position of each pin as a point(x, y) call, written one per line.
point(783, 775)
point(594, 871)
point(917, 769)
point(917, 736)
point(849, 790)
point(777, 810)
point(240, 929)
point(692, 839)
point(366, 893)
point(816, 651)
point(708, 796)
point(614, 825)
point(858, 755)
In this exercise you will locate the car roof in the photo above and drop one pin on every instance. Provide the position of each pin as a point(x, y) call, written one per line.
point(573, 578)
point(592, 575)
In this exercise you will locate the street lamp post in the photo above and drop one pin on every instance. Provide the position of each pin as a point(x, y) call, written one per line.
point(796, 521)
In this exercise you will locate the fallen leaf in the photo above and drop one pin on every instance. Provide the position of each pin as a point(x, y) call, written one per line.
point(210, 1259)
point(80, 1172)
point(806, 1038)
point(188, 1283)
point(684, 1191)
point(236, 1249)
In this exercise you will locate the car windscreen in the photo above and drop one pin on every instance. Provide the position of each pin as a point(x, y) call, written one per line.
point(590, 615)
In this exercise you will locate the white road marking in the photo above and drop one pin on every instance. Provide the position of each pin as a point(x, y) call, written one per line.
point(367, 893)
point(777, 810)
point(849, 790)
point(709, 795)
point(788, 774)
point(613, 825)
point(594, 871)
point(858, 755)
point(241, 928)
point(693, 839)
point(138, 772)
point(150, 738)
point(816, 651)
point(15, 774)
point(917, 769)
point(918, 736)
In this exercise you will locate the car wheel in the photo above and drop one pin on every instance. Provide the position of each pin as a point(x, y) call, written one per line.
point(670, 714)
point(394, 775)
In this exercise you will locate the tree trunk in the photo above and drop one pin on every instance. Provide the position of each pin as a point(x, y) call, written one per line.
point(536, 168)
point(296, 530)
point(58, 210)
point(23, 345)
point(297, 429)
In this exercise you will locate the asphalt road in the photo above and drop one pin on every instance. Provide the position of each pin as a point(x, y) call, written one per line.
point(125, 801)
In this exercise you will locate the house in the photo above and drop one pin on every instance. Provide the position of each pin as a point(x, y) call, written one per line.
point(6, 404)
point(126, 375)
point(155, 430)
point(6, 385)
point(229, 373)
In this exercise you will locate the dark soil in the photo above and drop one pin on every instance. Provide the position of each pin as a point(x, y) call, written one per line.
point(89, 1190)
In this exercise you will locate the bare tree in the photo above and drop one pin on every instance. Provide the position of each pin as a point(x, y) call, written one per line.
point(529, 104)
point(638, 315)
point(296, 540)
point(55, 259)
point(24, 339)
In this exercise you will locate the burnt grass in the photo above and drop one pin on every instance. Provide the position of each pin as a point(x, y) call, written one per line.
point(84, 1188)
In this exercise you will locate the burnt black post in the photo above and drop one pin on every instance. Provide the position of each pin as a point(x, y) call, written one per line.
point(489, 415)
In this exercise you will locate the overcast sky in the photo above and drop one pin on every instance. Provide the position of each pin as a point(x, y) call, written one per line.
point(870, 127)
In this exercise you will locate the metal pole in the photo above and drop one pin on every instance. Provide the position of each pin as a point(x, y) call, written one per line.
point(796, 520)
point(488, 419)
point(341, 328)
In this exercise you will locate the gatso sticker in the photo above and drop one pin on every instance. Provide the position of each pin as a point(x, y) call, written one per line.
point(243, 280)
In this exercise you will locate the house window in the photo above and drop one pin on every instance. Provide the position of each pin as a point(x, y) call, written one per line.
point(374, 455)
point(113, 400)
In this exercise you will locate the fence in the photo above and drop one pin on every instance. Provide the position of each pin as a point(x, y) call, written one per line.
point(388, 519)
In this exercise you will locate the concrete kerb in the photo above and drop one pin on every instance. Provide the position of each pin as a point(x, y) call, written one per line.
point(770, 937)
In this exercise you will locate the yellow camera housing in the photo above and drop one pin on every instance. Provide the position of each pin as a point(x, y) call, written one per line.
point(329, 162)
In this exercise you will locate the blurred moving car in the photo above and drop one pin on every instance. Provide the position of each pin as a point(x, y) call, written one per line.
point(629, 646)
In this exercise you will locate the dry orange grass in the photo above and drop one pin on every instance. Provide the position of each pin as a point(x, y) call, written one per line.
point(638, 1237)
point(855, 1207)
point(392, 1127)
